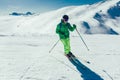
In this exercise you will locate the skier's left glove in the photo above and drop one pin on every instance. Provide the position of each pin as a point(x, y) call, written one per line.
point(74, 26)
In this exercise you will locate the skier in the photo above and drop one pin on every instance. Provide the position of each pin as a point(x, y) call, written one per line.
point(62, 30)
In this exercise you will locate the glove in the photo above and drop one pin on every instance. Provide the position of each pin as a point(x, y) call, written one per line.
point(74, 26)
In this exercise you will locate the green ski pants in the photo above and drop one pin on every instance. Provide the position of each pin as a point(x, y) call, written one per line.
point(66, 43)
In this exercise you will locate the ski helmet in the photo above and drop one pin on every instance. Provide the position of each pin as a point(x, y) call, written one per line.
point(65, 17)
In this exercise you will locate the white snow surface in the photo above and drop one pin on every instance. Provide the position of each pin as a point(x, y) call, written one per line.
point(28, 58)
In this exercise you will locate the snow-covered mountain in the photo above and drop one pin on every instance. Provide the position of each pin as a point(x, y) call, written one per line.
point(21, 14)
point(99, 18)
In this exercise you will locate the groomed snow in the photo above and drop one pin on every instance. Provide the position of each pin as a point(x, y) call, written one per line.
point(28, 58)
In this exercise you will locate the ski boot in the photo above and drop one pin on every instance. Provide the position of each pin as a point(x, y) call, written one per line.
point(70, 55)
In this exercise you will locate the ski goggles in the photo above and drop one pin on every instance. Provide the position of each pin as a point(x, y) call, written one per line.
point(66, 20)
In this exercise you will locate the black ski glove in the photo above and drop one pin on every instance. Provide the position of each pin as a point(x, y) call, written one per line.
point(74, 26)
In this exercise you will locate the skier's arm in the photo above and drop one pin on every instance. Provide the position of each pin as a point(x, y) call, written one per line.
point(58, 31)
point(71, 28)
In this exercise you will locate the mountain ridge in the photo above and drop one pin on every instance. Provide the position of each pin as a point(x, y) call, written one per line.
point(90, 19)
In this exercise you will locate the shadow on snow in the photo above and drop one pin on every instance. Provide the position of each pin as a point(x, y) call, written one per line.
point(86, 73)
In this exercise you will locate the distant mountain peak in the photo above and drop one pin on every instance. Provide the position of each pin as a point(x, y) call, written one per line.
point(21, 14)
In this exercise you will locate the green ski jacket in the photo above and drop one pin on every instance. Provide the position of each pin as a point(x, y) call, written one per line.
point(63, 30)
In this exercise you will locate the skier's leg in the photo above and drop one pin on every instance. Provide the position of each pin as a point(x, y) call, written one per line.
point(69, 48)
point(66, 43)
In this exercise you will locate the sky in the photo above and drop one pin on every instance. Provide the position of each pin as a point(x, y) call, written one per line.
point(39, 6)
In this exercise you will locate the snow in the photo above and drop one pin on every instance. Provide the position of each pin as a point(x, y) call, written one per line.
point(25, 42)
point(24, 58)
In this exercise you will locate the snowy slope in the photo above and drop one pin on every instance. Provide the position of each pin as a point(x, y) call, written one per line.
point(99, 18)
point(27, 58)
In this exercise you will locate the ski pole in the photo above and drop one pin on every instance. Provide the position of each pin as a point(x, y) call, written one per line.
point(82, 39)
point(53, 46)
